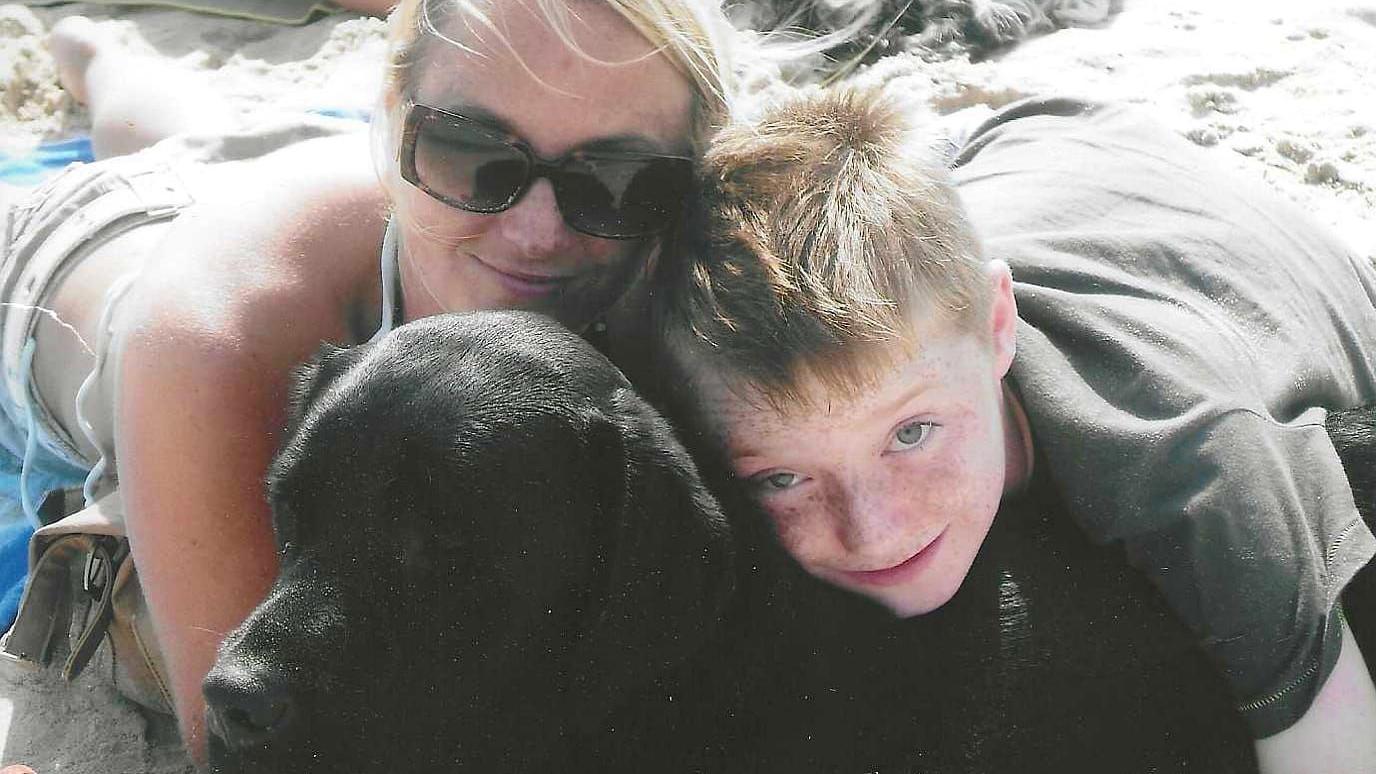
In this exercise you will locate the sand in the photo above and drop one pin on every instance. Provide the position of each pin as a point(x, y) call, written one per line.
point(1285, 92)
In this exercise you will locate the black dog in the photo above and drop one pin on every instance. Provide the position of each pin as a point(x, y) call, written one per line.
point(485, 538)
point(495, 557)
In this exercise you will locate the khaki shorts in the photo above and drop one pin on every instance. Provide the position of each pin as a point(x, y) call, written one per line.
point(47, 233)
point(82, 584)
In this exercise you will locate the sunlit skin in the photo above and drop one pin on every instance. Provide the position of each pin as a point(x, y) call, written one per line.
point(555, 100)
point(889, 494)
point(281, 254)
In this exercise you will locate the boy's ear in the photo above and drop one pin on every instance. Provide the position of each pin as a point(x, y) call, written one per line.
point(1003, 315)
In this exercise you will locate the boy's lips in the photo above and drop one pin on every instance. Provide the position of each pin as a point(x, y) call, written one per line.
point(899, 573)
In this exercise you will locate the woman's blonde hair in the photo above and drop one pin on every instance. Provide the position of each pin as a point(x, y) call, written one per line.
point(695, 36)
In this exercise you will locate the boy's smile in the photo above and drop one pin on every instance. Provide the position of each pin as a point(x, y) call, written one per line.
point(889, 494)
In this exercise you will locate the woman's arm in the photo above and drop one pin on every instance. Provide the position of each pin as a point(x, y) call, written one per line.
point(1338, 733)
point(236, 296)
point(196, 428)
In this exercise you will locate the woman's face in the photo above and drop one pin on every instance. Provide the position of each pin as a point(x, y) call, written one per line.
point(532, 87)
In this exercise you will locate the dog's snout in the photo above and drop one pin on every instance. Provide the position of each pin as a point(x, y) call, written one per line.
point(245, 709)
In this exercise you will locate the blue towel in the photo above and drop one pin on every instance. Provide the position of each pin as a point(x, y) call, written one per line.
point(25, 169)
point(32, 167)
point(14, 569)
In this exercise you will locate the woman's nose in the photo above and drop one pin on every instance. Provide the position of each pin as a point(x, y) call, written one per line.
point(534, 225)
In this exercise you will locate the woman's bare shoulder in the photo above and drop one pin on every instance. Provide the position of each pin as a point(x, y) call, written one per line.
point(297, 232)
point(322, 193)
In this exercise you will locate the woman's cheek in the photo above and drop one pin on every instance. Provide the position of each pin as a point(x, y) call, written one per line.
point(613, 256)
point(427, 220)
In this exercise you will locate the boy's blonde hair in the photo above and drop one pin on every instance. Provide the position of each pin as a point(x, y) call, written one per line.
point(829, 239)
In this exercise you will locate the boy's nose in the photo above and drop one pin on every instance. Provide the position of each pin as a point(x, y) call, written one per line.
point(534, 225)
point(868, 524)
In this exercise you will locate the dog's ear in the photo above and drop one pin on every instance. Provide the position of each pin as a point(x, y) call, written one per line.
point(668, 560)
point(308, 380)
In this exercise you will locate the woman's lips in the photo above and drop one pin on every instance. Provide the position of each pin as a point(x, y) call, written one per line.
point(900, 573)
point(523, 284)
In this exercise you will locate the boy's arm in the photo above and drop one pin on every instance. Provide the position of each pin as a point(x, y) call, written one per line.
point(1338, 733)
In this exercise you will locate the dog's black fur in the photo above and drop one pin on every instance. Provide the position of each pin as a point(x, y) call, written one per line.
point(495, 557)
point(486, 538)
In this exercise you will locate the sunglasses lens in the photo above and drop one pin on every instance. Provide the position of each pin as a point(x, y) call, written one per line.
point(467, 166)
point(622, 198)
point(476, 168)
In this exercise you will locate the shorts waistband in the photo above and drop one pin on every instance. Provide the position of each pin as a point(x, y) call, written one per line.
point(82, 208)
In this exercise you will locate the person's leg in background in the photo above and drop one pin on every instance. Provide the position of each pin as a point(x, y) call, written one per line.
point(134, 100)
point(373, 7)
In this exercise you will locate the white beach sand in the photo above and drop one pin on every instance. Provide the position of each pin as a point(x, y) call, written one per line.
point(1283, 91)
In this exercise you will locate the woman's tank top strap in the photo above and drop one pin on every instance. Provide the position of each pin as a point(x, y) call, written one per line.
point(391, 283)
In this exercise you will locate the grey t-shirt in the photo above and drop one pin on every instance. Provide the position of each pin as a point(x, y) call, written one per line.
point(1183, 332)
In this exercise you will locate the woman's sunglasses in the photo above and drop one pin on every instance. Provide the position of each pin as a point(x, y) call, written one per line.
point(478, 168)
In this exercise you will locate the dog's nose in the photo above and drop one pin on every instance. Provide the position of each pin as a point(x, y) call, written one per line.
point(246, 711)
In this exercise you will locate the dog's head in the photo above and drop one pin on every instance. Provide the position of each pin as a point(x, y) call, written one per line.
point(485, 537)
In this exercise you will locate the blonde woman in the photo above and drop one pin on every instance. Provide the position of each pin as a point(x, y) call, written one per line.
point(524, 155)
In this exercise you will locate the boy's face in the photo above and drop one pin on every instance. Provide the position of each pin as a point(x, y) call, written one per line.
point(890, 494)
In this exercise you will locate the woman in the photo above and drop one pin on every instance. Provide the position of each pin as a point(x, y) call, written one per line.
point(529, 155)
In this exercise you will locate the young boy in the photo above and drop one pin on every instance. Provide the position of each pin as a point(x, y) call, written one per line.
point(1164, 348)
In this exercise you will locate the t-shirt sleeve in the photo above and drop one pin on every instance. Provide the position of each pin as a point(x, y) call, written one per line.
point(1246, 525)
point(1182, 333)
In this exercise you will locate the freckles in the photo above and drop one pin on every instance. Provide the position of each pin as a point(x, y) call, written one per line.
point(950, 487)
point(797, 524)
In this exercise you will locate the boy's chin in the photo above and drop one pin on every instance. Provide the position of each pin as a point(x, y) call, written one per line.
point(922, 605)
point(928, 589)
point(908, 603)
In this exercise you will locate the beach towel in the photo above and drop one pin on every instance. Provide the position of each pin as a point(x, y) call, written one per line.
point(273, 11)
point(29, 169)
point(32, 167)
point(14, 569)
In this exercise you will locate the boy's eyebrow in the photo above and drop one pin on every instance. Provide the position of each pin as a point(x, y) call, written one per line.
point(740, 448)
point(737, 447)
point(916, 388)
point(744, 451)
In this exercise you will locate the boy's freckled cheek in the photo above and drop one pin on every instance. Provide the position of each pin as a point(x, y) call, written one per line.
point(801, 524)
point(949, 488)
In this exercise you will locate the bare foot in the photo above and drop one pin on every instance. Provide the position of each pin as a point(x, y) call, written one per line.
point(74, 42)
point(134, 99)
point(374, 7)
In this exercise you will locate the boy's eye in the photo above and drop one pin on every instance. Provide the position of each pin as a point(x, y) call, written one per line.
point(778, 481)
point(911, 435)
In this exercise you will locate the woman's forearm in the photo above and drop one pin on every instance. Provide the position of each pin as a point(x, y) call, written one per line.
point(194, 445)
